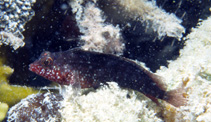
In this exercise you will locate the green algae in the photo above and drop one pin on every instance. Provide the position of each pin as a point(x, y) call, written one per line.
point(3, 110)
point(13, 94)
point(10, 94)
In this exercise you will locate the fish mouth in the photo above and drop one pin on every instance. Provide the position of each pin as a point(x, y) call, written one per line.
point(34, 67)
point(31, 67)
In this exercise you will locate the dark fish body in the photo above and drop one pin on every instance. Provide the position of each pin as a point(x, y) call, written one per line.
point(92, 68)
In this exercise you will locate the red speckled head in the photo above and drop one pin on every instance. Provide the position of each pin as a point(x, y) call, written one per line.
point(50, 68)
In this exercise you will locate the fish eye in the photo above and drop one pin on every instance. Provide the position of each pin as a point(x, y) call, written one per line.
point(47, 61)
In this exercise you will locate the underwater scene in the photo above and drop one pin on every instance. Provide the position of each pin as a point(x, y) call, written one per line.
point(105, 61)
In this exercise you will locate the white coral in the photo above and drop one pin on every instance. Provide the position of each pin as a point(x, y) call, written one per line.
point(193, 66)
point(10, 39)
point(98, 35)
point(103, 37)
point(13, 16)
point(108, 104)
point(163, 23)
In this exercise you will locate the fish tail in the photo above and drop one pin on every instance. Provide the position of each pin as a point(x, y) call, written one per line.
point(177, 97)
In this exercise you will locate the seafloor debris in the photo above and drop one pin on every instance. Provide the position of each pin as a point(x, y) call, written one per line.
point(13, 16)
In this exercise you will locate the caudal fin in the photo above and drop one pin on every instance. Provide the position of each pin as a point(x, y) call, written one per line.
point(177, 97)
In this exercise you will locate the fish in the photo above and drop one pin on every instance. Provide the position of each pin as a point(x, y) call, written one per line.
point(91, 69)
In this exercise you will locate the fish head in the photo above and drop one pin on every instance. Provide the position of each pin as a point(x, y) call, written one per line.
point(49, 66)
